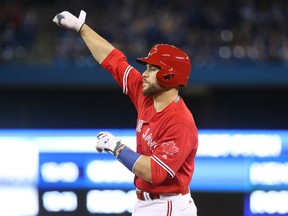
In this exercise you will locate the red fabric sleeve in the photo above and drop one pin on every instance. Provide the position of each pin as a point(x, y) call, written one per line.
point(176, 150)
point(158, 173)
point(128, 78)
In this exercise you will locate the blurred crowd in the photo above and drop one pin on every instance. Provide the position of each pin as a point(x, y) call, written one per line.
point(209, 31)
point(18, 32)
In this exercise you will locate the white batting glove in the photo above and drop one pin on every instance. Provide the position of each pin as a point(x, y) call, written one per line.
point(69, 21)
point(107, 142)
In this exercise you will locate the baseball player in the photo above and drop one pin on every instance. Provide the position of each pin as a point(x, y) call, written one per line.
point(167, 137)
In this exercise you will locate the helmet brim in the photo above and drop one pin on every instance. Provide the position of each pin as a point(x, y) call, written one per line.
point(145, 61)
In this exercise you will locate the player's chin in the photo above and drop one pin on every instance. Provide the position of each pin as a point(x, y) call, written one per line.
point(145, 92)
point(145, 89)
point(151, 90)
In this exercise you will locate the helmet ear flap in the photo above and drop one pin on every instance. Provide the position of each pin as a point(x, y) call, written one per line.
point(165, 77)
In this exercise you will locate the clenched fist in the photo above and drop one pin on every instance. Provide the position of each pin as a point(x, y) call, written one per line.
point(107, 142)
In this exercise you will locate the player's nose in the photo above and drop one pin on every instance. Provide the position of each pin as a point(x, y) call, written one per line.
point(144, 74)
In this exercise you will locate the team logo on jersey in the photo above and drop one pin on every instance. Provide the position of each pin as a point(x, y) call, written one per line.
point(140, 123)
point(148, 137)
point(170, 148)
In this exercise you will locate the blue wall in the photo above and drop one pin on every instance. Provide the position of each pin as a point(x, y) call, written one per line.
point(244, 75)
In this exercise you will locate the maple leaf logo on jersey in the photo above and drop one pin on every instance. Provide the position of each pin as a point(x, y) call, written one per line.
point(170, 148)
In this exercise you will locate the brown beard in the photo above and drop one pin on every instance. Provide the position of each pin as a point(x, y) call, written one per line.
point(152, 90)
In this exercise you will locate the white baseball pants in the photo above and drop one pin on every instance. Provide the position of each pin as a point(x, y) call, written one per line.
point(175, 205)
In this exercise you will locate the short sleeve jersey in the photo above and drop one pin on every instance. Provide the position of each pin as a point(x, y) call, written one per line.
point(169, 137)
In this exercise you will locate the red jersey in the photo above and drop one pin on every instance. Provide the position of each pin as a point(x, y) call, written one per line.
point(169, 137)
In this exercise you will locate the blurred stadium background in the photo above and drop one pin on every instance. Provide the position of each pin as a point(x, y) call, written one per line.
point(239, 50)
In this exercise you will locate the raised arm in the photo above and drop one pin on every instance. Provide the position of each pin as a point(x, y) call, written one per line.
point(140, 165)
point(98, 46)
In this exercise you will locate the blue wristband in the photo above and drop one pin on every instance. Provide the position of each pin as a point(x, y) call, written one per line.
point(128, 158)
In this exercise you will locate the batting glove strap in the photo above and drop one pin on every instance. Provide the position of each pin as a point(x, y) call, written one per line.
point(117, 146)
point(128, 158)
point(107, 142)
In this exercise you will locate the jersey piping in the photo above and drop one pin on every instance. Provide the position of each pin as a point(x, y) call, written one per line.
point(125, 78)
point(163, 165)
